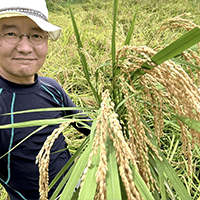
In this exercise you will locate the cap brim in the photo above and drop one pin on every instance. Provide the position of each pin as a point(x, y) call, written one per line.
point(53, 30)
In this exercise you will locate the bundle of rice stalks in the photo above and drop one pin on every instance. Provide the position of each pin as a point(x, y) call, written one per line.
point(166, 86)
point(133, 150)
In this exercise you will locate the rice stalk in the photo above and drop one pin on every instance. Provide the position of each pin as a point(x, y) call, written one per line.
point(43, 159)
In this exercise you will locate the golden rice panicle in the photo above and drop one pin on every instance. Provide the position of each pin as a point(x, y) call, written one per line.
point(123, 152)
point(188, 57)
point(197, 71)
point(124, 155)
point(156, 108)
point(177, 22)
point(99, 143)
point(183, 90)
point(43, 159)
point(184, 100)
point(194, 59)
point(103, 128)
point(178, 90)
point(138, 140)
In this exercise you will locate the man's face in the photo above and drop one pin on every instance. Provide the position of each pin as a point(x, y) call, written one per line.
point(20, 62)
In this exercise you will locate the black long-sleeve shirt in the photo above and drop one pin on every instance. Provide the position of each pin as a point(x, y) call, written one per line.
point(18, 172)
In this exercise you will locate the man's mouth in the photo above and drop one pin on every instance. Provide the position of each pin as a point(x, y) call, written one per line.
point(24, 61)
point(24, 58)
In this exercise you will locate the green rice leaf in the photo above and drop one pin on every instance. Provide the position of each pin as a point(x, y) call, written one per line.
point(187, 40)
point(79, 168)
point(62, 183)
point(174, 179)
point(71, 160)
point(40, 123)
point(161, 178)
point(90, 179)
point(194, 124)
point(113, 189)
point(168, 170)
point(124, 100)
point(76, 174)
point(69, 163)
point(130, 31)
point(83, 59)
point(183, 62)
point(113, 50)
point(140, 184)
point(50, 109)
point(89, 182)
point(113, 47)
point(154, 173)
point(153, 160)
point(97, 71)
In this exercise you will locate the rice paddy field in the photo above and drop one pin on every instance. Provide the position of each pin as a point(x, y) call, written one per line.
point(152, 109)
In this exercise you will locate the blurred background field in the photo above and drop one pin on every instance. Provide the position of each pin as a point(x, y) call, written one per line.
point(94, 21)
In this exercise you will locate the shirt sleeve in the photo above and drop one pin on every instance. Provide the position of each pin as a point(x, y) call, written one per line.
point(69, 103)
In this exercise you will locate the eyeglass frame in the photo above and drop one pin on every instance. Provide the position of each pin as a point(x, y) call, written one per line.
point(24, 35)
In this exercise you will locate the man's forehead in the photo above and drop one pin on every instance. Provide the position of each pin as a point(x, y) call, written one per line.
point(18, 23)
point(7, 26)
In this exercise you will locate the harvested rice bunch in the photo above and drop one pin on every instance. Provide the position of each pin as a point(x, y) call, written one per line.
point(167, 84)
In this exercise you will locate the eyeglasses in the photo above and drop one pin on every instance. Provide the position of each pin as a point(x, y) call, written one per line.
point(34, 38)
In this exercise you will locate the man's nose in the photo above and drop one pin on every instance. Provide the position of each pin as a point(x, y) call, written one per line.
point(24, 46)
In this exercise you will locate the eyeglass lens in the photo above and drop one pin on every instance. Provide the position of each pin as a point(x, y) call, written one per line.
point(35, 38)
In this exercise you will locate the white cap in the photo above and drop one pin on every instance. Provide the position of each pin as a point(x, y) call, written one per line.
point(35, 10)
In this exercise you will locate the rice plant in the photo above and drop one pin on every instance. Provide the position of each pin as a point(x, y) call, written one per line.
point(123, 156)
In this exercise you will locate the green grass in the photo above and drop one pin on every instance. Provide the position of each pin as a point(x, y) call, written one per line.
point(94, 21)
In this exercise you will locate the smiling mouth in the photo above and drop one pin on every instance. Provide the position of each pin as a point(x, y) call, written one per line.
point(28, 59)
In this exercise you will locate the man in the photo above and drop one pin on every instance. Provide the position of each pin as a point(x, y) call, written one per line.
point(24, 33)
